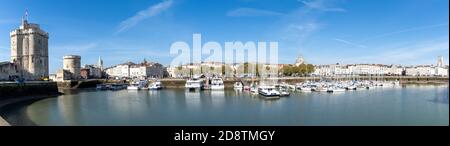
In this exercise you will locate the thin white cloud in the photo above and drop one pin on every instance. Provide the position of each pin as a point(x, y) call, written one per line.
point(303, 21)
point(144, 14)
point(246, 12)
point(407, 30)
point(321, 5)
point(298, 31)
point(350, 43)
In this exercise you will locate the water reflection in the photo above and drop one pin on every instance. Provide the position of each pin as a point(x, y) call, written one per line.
point(409, 105)
point(192, 99)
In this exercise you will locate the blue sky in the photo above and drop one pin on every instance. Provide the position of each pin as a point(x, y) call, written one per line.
point(324, 32)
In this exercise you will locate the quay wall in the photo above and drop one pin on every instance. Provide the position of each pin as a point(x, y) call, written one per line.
point(35, 88)
point(90, 83)
point(229, 82)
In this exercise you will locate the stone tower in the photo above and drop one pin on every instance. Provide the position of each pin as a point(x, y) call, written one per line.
point(72, 64)
point(29, 50)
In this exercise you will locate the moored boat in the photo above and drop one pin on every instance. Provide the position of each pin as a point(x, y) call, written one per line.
point(194, 84)
point(268, 91)
point(155, 85)
point(217, 84)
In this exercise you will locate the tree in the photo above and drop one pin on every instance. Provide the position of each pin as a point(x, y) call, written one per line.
point(301, 70)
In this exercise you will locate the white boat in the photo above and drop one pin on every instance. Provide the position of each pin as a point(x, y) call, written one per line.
point(268, 91)
point(137, 85)
point(238, 85)
point(133, 87)
point(338, 90)
point(351, 87)
point(155, 85)
point(322, 89)
point(284, 92)
point(254, 88)
point(217, 84)
point(194, 84)
point(305, 89)
point(298, 86)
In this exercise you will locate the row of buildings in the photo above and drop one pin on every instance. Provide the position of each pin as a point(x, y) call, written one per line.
point(130, 70)
point(440, 69)
point(218, 68)
point(72, 70)
point(144, 70)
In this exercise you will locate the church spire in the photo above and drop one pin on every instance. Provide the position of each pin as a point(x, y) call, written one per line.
point(100, 62)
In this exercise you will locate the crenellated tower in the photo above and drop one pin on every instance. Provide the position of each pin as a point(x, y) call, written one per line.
point(29, 50)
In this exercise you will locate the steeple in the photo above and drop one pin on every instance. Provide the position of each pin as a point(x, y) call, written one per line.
point(100, 62)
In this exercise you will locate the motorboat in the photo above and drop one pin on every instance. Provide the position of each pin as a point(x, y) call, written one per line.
point(268, 91)
point(133, 86)
point(351, 87)
point(194, 84)
point(284, 91)
point(338, 90)
point(155, 85)
point(217, 84)
point(137, 85)
point(305, 89)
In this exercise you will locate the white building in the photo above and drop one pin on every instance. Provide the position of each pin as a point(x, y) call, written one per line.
point(132, 70)
point(119, 71)
point(357, 69)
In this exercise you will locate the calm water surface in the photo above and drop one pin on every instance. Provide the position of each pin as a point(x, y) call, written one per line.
point(406, 105)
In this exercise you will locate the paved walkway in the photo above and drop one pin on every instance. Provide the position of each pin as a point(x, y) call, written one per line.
point(3, 122)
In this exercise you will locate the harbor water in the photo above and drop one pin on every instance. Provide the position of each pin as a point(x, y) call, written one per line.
point(401, 105)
